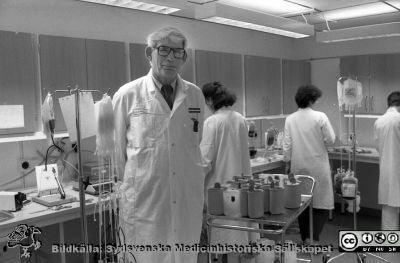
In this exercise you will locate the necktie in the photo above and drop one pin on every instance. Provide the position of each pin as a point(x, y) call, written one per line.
point(168, 93)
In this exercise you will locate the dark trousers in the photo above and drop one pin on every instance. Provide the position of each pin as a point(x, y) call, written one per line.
point(320, 216)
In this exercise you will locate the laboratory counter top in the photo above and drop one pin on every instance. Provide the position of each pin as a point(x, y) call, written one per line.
point(363, 154)
point(39, 215)
point(260, 164)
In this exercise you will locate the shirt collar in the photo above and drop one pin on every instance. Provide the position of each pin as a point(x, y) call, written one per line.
point(159, 85)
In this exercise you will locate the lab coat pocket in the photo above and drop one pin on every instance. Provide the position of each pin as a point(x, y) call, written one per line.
point(145, 129)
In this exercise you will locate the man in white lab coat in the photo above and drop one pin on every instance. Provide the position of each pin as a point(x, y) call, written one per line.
point(387, 137)
point(307, 134)
point(158, 122)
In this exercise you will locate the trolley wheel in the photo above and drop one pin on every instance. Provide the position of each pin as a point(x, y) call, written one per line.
point(326, 257)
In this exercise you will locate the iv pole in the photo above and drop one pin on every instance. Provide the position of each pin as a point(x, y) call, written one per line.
point(76, 91)
point(361, 257)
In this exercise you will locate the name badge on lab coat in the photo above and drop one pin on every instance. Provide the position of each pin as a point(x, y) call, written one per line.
point(194, 112)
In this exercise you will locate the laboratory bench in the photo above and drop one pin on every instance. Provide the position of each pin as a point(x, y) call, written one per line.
point(367, 170)
point(56, 226)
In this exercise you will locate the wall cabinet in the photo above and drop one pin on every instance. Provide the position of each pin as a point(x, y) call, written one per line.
point(379, 75)
point(90, 64)
point(295, 73)
point(263, 86)
point(385, 78)
point(62, 63)
point(18, 79)
point(106, 67)
point(223, 67)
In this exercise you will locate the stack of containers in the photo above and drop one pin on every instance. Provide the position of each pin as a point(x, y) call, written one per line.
point(254, 197)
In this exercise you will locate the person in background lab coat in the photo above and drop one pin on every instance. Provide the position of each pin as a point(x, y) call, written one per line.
point(158, 119)
point(387, 137)
point(225, 152)
point(307, 133)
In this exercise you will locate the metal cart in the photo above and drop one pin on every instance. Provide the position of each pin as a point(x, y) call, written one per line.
point(280, 222)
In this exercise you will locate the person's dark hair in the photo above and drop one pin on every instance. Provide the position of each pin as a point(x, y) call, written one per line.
point(394, 99)
point(218, 94)
point(307, 95)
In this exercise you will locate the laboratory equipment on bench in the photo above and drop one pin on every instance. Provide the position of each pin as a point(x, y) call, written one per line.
point(252, 137)
point(96, 178)
point(11, 201)
point(50, 190)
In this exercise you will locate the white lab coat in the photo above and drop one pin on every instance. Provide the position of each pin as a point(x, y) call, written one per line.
point(387, 137)
point(307, 132)
point(225, 152)
point(159, 156)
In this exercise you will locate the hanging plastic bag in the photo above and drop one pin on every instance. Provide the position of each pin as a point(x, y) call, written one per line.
point(349, 93)
point(105, 127)
point(48, 115)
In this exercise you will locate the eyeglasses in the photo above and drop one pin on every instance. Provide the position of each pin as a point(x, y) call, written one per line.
point(164, 51)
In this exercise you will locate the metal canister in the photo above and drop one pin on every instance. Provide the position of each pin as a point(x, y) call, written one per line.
point(232, 202)
point(256, 203)
point(276, 200)
point(266, 188)
point(215, 202)
point(292, 195)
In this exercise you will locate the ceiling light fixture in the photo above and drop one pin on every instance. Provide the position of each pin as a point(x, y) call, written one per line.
point(361, 32)
point(234, 16)
point(136, 5)
point(274, 7)
point(357, 11)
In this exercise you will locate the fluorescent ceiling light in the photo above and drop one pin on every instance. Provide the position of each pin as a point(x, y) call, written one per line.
point(136, 5)
point(358, 11)
point(229, 15)
point(230, 22)
point(362, 32)
point(395, 3)
point(274, 7)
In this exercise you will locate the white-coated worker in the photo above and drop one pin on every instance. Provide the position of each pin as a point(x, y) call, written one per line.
point(158, 119)
point(307, 134)
point(387, 137)
point(225, 151)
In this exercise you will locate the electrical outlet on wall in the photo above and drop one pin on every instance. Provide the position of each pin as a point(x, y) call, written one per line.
point(26, 164)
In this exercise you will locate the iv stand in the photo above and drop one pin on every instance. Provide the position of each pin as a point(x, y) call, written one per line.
point(361, 257)
point(82, 202)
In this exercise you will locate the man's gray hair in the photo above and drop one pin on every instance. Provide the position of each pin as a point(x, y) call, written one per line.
point(165, 33)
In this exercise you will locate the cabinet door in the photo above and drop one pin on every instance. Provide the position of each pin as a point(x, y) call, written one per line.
point(17, 78)
point(263, 86)
point(140, 65)
point(325, 73)
point(106, 66)
point(223, 67)
point(358, 67)
point(62, 63)
point(295, 73)
point(385, 78)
